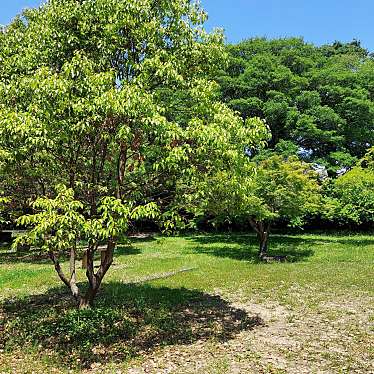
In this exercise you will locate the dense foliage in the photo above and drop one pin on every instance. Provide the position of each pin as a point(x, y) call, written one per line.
point(319, 98)
point(88, 96)
point(350, 198)
point(264, 191)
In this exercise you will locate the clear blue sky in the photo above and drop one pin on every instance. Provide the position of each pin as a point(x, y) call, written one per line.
point(318, 21)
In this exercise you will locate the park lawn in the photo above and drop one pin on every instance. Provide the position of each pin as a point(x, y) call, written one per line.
point(198, 304)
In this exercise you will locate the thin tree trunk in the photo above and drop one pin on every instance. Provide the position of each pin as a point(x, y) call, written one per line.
point(73, 275)
point(263, 230)
point(86, 300)
point(95, 280)
point(263, 251)
point(58, 269)
point(70, 282)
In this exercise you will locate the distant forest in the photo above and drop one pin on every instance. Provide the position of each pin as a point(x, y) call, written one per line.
point(317, 101)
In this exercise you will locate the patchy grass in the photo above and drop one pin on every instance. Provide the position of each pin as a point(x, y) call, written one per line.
point(227, 314)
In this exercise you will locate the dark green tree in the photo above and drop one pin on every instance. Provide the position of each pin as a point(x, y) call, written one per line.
point(319, 98)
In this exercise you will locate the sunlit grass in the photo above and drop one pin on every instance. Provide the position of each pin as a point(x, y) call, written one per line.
point(321, 269)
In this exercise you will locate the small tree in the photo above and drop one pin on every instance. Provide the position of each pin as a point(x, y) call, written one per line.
point(272, 189)
point(280, 189)
point(60, 225)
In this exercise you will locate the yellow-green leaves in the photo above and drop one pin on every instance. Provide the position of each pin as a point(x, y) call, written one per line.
point(60, 223)
point(57, 225)
point(351, 198)
point(115, 99)
point(275, 188)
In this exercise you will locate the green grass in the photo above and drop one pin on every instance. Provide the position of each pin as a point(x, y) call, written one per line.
point(230, 310)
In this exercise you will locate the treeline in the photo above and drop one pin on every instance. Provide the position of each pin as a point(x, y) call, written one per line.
point(320, 100)
point(319, 105)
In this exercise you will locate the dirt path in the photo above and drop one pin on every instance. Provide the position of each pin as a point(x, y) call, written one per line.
point(334, 337)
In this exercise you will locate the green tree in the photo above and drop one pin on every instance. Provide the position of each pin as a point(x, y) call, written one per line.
point(89, 92)
point(350, 198)
point(319, 98)
point(269, 190)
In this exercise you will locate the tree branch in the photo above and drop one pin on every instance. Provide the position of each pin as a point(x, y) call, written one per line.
point(58, 269)
point(73, 276)
point(254, 225)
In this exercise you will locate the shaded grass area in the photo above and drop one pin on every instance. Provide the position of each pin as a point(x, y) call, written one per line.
point(128, 320)
point(134, 317)
point(245, 247)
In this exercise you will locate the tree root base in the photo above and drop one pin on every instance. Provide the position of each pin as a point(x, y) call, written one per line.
point(270, 259)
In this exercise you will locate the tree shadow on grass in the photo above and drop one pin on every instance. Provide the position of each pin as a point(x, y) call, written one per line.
point(140, 238)
point(127, 250)
point(245, 247)
point(128, 320)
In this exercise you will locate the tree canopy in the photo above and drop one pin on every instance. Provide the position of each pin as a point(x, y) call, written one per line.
point(319, 98)
point(89, 92)
point(350, 198)
point(262, 191)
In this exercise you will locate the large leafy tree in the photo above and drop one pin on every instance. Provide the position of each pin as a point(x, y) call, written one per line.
point(111, 101)
point(320, 98)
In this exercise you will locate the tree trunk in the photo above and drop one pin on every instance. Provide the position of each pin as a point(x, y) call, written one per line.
point(95, 280)
point(58, 269)
point(70, 282)
point(73, 276)
point(263, 251)
point(86, 301)
point(263, 230)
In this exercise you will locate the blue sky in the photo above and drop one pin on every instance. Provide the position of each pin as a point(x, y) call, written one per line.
point(318, 21)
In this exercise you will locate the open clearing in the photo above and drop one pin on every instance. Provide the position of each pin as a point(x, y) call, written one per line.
point(198, 304)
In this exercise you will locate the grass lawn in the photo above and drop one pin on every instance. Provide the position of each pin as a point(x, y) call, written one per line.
point(198, 304)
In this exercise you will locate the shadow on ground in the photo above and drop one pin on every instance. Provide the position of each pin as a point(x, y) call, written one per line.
point(127, 321)
point(245, 247)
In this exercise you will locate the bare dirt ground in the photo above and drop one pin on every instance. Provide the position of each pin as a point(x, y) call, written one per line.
point(333, 337)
